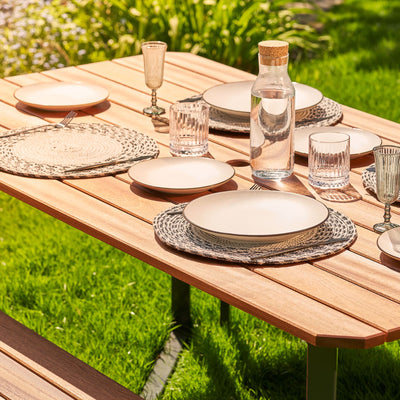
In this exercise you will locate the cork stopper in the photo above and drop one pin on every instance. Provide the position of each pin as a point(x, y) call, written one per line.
point(273, 52)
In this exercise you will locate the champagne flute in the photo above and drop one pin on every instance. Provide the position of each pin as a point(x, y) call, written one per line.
point(153, 58)
point(387, 167)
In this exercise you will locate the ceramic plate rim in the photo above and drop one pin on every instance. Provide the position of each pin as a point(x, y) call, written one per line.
point(340, 129)
point(381, 246)
point(183, 160)
point(259, 237)
point(104, 94)
point(242, 113)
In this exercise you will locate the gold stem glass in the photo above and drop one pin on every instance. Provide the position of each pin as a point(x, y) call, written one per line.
point(387, 168)
point(153, 58)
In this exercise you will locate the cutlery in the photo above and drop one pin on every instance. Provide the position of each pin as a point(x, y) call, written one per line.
point(108, 163)
point(255, 187)
point(191, 99)
point(312, 120)
point(298, 247)
point(174, 212)
point(62, 124)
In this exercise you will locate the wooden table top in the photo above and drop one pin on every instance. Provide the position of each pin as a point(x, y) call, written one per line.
point(351, 299)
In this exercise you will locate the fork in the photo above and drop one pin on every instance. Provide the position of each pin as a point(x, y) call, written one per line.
point(255, 187)
point(62, 124)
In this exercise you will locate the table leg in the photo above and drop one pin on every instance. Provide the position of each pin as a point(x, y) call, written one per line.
point(321, 373)
point(180, 303)
point(224, 316)
point(167, 359)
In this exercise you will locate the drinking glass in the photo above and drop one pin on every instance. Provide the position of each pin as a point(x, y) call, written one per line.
point(329, 160)
point(188, 129)
point(153, 58)
point(387, 168)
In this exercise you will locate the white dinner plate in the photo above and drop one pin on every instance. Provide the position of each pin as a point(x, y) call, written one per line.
point(389, 243)
point(234, 97)
point(61, 96)
point(361, 142)
point(261, 215)
point(181, 175)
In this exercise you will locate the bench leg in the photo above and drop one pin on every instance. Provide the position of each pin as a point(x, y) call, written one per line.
point(321, 373)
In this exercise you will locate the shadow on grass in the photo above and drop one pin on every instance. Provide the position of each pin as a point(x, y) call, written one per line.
point(279, 370)
point(369, 25)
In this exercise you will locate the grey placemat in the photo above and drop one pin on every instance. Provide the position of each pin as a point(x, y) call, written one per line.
point(327, 112)
point(369, 179)
point(174, 230)
point(49, 152)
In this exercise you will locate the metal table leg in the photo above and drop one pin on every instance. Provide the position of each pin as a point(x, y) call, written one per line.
point(165, 363)
point(224, 316)
point(321, 373)
point(180, 303)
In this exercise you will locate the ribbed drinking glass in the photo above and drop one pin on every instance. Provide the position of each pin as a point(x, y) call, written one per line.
point(387, 167)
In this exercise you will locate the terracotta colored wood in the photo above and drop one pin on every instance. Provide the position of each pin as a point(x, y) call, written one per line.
point(339, 294)
point(269, 301)
point(32, 368)
point(320, 302)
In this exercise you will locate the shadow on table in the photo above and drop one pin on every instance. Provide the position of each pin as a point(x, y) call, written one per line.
point(93, 110)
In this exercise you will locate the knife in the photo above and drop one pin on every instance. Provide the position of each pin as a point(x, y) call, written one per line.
point(108, 163)
point(299, 247)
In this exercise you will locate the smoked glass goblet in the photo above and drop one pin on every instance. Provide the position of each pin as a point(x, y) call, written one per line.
point(153, 58)
point(387, 168)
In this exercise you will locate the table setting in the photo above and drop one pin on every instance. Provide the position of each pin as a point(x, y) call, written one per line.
point(75, 150)
point(230, 108)
point(267, 239)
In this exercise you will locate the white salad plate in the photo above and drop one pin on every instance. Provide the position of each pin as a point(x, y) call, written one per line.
point(361, 142)
point(61, 96)
point(234, 97)
point(181, 175)
point(255, 215)
point(389, 243)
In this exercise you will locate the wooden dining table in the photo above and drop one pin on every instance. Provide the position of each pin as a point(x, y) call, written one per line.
point(347, 300)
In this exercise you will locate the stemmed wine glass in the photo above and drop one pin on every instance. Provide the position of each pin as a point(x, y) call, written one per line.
point(153, 58)
point(387, 168)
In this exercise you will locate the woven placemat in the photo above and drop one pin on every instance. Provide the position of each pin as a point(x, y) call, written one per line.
point(327, 112)
point(174, 230)
point(49, 152)
point(369, 179)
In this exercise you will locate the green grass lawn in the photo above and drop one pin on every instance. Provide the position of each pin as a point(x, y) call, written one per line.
point(113, 311)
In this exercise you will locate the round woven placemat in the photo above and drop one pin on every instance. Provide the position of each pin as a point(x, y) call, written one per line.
point(369, 179)
point(326, 113)
point(50, 152)
point(174, 230)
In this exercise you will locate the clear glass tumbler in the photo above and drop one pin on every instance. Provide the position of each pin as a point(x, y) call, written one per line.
point(329, 160)
point(188, 129)
point(153, 58)
point(387, 168)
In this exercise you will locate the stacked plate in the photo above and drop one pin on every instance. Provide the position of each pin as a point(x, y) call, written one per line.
point(255, 227)
point(234, 98)
point(230, 106)
point(265, 216)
